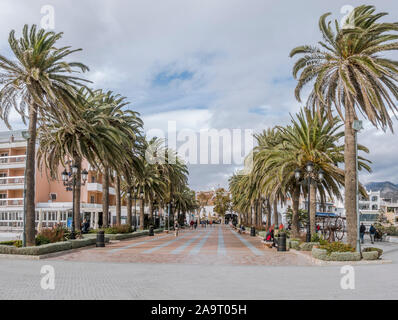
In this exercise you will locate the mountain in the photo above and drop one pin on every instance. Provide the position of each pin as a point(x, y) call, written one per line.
point(386, 188)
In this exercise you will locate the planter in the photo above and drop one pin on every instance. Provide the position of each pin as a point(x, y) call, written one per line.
point(370, 255)
point(307, 246)
point(321, 254)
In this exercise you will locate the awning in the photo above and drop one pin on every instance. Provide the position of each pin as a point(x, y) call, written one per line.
point(326, 214)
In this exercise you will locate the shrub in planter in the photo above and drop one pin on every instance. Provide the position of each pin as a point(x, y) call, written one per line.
point(320, 254)
point(337, 247)
point(15, 243)
point(122, 228)
point(370, 255)
point(8, 249)
point(370, 249)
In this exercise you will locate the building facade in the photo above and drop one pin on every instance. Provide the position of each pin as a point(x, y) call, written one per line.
point(53, 202)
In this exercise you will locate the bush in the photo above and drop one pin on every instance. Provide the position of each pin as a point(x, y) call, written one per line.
point(122, 228)
point(51, 235)
point(307, 246)
point(379, 251)
point(319, 238)
point(15, 243)
point(337, 247)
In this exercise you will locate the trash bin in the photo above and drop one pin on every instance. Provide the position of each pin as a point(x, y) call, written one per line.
point(100, 239)
point(151, 230)
point(253, 231)
point(282, 242)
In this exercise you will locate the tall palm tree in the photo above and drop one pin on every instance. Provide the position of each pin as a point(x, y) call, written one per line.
point(38, 82)
point(350, 74)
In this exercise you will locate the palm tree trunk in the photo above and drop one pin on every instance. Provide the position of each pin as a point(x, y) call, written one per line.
point(105, 198)
point(276, 222)
point(77, 192)
point(350, 176)
point(312, 207)
point(150, 212)
point(142, 207)
point(268, 214)
point(295, 215)
point(118, 201)
point(129, 209)
point(30, 178)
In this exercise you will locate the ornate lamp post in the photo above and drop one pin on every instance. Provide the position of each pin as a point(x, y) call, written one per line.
point(70, 181)
point(310, 177)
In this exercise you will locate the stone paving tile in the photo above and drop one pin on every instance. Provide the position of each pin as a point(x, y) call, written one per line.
point(194, 249)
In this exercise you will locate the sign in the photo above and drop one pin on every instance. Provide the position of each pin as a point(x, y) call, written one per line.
point(69, 223)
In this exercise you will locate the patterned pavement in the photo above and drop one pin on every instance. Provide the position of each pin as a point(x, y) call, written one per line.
point(215, 245)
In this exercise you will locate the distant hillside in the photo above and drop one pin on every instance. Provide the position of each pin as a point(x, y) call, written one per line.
point(387, 189)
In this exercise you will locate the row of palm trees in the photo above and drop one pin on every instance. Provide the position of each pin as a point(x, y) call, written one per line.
point(74, 123)
point(348, 75)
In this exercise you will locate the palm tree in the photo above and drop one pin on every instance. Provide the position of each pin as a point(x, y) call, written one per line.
point(89, 134)
point(350, 73)
point(38, 82)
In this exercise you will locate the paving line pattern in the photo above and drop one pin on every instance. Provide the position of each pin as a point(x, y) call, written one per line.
point(166, 243)
point(199, 246)
point(221, 245)
point(186, 244)
point(136, 244)
point(253, 249)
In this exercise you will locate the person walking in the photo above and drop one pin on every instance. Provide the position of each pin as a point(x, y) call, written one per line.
point(362, 230)
point(176, 227)
point(372, 231)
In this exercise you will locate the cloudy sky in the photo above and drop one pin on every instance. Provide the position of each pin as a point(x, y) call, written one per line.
point(219, 64)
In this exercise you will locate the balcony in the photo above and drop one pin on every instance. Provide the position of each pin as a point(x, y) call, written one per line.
point(11, 202)
point(11, 183)
point(11, 162)
point(98, 187)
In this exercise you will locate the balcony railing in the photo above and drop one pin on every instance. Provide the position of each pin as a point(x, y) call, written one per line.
point(13, 159)
point(10, 202)
point(12, 180)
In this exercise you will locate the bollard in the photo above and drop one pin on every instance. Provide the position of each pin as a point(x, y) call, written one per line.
point(100, 239)
point(282, 242)
point(150, 231)
point(253, 231)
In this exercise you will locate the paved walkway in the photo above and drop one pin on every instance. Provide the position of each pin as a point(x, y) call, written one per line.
point(218, 244)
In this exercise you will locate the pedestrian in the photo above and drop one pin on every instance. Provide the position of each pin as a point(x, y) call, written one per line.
point(372, 231)
point(195, 225)
point(191, 223)
point(176, 227)
point(362, 230)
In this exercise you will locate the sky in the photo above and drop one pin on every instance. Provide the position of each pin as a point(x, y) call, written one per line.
point(220, 64)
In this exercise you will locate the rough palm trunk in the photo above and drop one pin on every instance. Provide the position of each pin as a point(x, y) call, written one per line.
point(150, 212)
point(268, 214)
point(350, 177)
point(312, 207)
point(77, 192)
point(142, 207)
point(118, 201)
point(105, 198)
point(30, 178)
point(276, 222)
point(295, 214)
point(129, 209)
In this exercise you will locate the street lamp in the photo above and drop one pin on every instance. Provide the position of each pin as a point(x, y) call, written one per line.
point(73, 182)
point(310, 175)
point(357, 126)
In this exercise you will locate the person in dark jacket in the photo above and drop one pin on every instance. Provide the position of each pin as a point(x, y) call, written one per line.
point(372, 232)
point(362, 230)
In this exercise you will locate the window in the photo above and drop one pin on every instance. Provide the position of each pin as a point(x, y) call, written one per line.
point(92, 199)
point(374, 198)
point(3, 175)
point(92, 179)
point(375, 207)
point(53, 196)
point(3, 154)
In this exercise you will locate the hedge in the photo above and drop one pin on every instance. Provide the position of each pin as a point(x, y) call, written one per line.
point(307, 246)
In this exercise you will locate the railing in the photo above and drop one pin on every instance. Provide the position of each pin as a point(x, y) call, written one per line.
point(13, 159)
point(12, 180)
point(11, 202)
